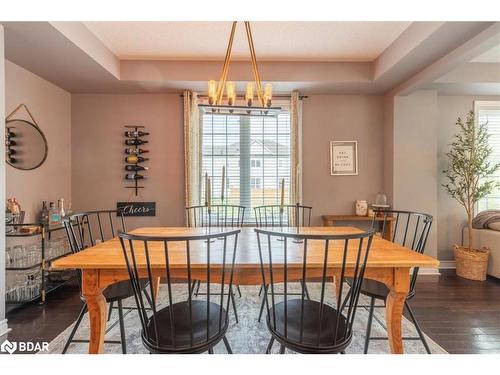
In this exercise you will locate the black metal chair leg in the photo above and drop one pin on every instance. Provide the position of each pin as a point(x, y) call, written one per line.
point(270, 346)
point(417, 327)
point(75, 327)
point(282, 349)
point(122, 327)
point(234, 306)
point(262, 307)
point(148, 298)
point(211, 351)
point(238, 289)
point(369, 327)
point(197, 289)
point(228, 347)
point(345, 299)
point(110, 310)
point(192, 288)
point(260, 290)
point(303, 283)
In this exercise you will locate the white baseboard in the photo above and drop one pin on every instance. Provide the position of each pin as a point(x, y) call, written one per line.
point(4, 329)
point(429, 271)
point(443, 265)
point(447, 264)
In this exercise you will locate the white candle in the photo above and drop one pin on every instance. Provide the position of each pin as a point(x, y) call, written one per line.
point(297, 190)
point(206, 188)
point(209, 187)
point(223, 183)
point(282, 202)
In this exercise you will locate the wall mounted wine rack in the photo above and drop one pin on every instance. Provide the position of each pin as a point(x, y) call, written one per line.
point(133, 160)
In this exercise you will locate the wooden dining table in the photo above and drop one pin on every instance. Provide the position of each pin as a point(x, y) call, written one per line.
point(104, 264)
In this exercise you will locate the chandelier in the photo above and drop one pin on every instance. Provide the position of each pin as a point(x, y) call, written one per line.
point(248, 107)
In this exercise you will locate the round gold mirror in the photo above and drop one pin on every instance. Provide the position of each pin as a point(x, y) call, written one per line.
point(25, 144)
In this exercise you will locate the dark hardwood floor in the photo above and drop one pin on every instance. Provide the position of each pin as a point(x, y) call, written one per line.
point(460, 315)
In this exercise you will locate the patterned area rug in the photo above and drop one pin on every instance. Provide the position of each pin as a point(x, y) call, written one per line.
point(248, 336)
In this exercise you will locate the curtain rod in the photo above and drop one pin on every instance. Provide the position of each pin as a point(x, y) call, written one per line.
point(274, 96)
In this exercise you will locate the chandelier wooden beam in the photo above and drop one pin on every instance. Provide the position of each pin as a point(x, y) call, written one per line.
point(225, 68)
point(223, 78)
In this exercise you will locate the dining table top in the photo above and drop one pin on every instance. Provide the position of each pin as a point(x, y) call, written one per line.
point(109, 254)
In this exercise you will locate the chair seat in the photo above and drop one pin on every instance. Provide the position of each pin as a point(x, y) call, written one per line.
point(302, 336)
point(187, 334)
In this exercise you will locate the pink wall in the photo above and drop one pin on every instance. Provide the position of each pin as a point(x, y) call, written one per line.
point(343, 118)
point(97, 149)
point(51, 107)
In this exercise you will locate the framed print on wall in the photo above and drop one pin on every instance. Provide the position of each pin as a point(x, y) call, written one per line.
point(343, 158)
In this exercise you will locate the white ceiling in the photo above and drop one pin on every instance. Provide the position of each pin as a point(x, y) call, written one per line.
point(490, 56)
point(291, 41)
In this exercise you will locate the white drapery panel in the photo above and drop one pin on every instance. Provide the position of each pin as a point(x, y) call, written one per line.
point(192, 149)
point(296, 148)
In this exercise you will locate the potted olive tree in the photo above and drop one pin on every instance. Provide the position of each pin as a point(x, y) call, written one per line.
point(466, 183)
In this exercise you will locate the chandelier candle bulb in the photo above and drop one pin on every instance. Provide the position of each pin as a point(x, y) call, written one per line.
point(212, 92)
point(268, 94)
point(249, 94)
point(231, 93)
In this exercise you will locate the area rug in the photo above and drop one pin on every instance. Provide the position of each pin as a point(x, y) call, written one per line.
point(248, 336)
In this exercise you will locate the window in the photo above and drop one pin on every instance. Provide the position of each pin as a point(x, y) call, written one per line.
point(255, 182)
point(255, 152)
point(489, 112)
point(255, 163)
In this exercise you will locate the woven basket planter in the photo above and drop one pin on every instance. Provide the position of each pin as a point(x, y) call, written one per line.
point(471, 264)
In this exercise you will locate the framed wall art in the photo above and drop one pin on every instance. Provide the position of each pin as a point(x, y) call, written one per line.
point(343, 158)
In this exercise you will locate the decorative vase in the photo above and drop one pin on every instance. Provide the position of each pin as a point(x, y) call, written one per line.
point(361, 208)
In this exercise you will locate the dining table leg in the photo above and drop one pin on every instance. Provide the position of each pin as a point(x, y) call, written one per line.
point(156, 285)
point(394, 306)
point(96, 304)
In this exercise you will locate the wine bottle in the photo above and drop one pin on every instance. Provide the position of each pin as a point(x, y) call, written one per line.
point(135, 142)
point(135, 151)
point(10, 151)
point(133, 134)
point(134, 159)
point(11, 134)
point(9, 142)
point(12, 160)
point(135, 168)
point(134, 176)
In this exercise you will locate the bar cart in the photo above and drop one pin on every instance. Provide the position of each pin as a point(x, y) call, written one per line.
point(28, 257)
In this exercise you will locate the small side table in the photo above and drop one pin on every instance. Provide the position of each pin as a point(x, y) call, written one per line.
point(331, 220)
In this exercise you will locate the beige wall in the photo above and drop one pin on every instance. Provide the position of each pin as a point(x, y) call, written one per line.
point(51, 107)
point(98, 153)
point(343, 118)
point(415, 157)
point(451, 216)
